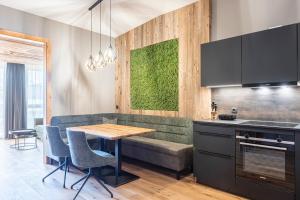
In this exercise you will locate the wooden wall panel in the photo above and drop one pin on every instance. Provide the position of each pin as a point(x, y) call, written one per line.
point(191, 25)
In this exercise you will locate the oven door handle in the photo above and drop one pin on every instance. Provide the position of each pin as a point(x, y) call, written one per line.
point(263, 146)
point(265, 140)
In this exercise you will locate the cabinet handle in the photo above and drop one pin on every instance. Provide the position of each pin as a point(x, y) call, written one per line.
point(214, 134)
point(214, 154)
point(265, 140)
point(263, 146)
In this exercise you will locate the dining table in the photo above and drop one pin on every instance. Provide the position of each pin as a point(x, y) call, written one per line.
point(113, 176)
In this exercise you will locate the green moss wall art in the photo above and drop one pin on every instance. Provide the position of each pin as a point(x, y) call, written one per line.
point(154, 77)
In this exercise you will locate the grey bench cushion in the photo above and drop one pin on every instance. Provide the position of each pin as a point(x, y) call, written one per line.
point(162, 146)
point(167, 154)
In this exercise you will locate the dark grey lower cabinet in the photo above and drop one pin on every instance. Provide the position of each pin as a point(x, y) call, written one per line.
point(214, 156)
point(214, 164)
point(297, 163)
point(215, 170)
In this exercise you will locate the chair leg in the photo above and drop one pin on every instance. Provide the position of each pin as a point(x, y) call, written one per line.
point(102, 184)
point(82, 186)
point(72, 186)
point(66, 167)
point(53, 171)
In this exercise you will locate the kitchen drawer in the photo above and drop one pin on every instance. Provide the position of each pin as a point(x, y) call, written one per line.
point(214, 170)
point(214, 129)
point(215, 143)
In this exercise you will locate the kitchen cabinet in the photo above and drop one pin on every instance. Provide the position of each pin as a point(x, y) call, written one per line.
point(221, 62)
point(215, 170)
point(214, 156)
point(270, 56)
point(297, 163)
point(298, 52)
point(224, 153)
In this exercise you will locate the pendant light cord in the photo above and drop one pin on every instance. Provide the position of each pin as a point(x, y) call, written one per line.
point(100, 25)
point(110, 21)
point(91, 32)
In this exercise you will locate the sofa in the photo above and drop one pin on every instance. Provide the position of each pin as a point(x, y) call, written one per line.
point(169, 147)
point(39, 127)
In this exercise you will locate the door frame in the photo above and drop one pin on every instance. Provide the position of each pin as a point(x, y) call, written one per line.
point(47, 68)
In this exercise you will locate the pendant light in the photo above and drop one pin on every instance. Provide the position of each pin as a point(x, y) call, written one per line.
point(99, 60)
point(90, 64)
point(110, 54)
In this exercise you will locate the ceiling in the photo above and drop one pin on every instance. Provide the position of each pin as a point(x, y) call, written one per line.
point(21, 51)
point(126, 14)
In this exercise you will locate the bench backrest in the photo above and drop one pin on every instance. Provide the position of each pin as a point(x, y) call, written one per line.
point(66, 121)
point(171, 129)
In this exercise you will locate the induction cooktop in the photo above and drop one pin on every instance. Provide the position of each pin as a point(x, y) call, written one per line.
point(270, 124)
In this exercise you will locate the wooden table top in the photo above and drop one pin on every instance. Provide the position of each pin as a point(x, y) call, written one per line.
point(111, 131)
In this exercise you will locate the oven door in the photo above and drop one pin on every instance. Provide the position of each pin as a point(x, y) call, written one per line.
point(266, 162)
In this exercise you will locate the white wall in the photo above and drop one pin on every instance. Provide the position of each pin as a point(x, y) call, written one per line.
point(75, 90)
point(236, 17)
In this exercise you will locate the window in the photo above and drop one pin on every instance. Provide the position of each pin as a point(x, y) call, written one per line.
point(2, 68)
point(35, 93)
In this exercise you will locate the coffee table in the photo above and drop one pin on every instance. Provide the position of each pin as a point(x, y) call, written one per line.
point(23, 135)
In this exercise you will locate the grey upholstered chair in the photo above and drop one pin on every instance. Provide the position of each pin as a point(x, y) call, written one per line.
point(84, 157)
point(59, 148)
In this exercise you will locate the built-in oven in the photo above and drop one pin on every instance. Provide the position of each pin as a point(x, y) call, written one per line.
point(266, 156)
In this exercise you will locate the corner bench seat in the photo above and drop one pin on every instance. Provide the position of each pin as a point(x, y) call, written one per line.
point(171, 155)
point(170, 146)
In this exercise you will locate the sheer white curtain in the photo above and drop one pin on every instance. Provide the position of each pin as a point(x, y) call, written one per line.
point(2, 72)
point(34, 93)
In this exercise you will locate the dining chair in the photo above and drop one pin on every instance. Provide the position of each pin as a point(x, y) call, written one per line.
point(58, 148)
point(84, 157)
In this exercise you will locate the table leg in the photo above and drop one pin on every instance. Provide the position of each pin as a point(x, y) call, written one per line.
point(118, 156)
point(114, 176)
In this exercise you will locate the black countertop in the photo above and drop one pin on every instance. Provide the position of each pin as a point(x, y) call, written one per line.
point(242, 123)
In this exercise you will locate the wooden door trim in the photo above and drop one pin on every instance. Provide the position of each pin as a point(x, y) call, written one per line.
point(47, 67)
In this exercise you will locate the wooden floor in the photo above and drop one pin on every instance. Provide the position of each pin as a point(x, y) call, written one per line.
point(21, 173)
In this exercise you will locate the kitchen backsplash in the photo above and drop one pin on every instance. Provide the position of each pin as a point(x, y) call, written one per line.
point(276, 104)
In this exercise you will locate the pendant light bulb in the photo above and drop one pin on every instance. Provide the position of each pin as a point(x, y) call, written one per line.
point(110, 55)
point(90, 64)
point(99, 60)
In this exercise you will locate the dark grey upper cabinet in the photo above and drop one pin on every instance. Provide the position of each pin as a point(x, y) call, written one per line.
point(297, 163)
point(298, 52)
point(221, 62)
point(270, 56)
